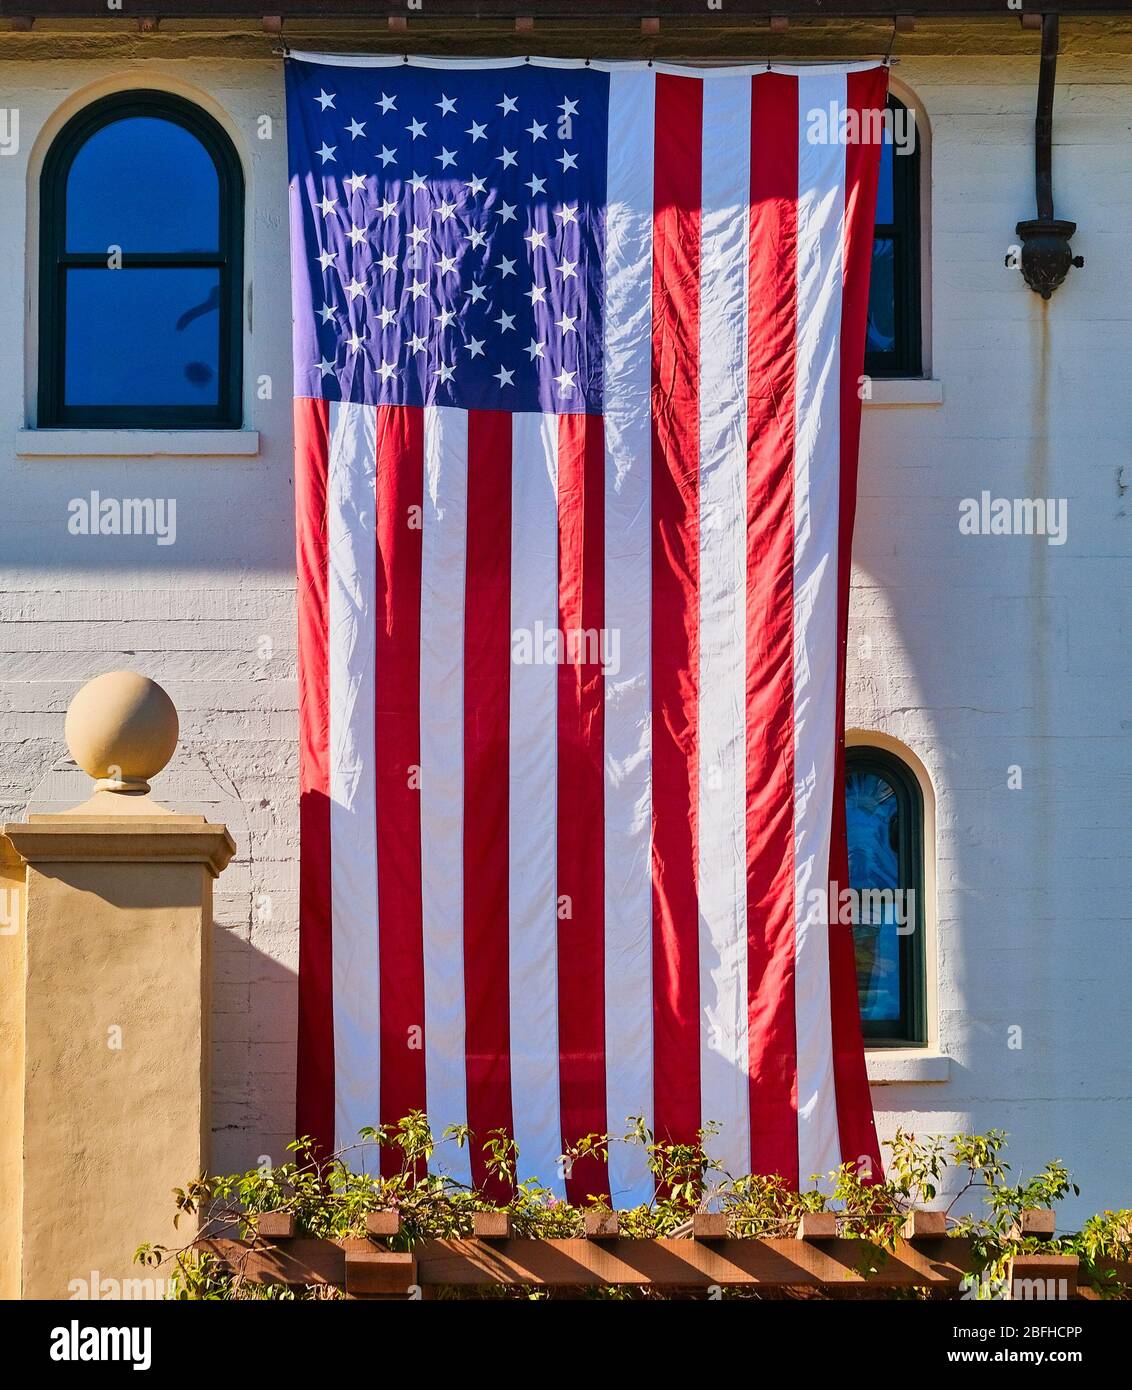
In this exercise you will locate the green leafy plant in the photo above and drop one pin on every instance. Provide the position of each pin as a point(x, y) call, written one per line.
point(330, 1196)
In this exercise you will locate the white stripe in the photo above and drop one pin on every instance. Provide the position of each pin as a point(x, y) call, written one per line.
point(533, 800)
point(444, 549)
point(352, 556)
point(817, 445)
point(722, 878)
point(628, 597)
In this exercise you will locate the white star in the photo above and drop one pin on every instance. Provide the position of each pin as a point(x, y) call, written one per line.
point(537, 295)
point(566, 323)
point(325, 367)
point(418, 234)
point(445, 210)
point(388, 262)
point(447, 265)
point(386, 370)
point(536, 238)
point(356, 128)
point(387, 208)
point(568, 270)
point(475, 346)
point(326, 152)
point(536, 132)
point(568, 107)
point(507, 211)
point(535, 184)
point(327, 205)
point(417, 288)
point(476, 238)
point(418, 183)
point(325, 99)
point(447, 159)
point(476, 293)
point(354, 341)
point(387, 104)
point(386, 316)
point(417, 343)
point(475, 185)
point(535, 349)
point(447, 105)
point(566, 214)
point(567, 160)
point(445, 373)
point(565, 381)
point(356, 234)
point(477, 131)
point(506, 267)
point(355, 288)
point(506, 322)
point(387, 156)
point(508, 157)
point(504, 377)
point(416, 128)
point(327, 258)
point(508, 104)
point(355, 182)
point(326, 313)
point(445, 317)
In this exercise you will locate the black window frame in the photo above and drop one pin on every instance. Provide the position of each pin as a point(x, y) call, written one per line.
point(906, 357)
point(55, 260)
point(910, 1030)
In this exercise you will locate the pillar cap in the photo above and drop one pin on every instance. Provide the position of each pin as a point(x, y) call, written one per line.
point(115, 839)
point(122, 729)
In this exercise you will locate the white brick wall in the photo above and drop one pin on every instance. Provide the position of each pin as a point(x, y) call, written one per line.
point(986, 651)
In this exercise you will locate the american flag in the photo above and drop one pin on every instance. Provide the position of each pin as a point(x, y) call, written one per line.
point(577, 350)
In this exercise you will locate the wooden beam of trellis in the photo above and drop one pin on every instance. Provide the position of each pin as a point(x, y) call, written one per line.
point(576, 1263)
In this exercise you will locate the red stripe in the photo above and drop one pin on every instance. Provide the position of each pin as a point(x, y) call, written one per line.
point(315, 1098)
point(487, 660)
point(675, 603)
point(581, 794)
point(397, 756)
point(772, 300)
point(862, 162)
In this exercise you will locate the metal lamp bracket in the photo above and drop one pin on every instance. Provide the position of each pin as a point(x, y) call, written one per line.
point(1046, 254)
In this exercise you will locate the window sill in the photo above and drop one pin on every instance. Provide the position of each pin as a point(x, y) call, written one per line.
point(905, 391)
point(84, 443)
point(895, 1066)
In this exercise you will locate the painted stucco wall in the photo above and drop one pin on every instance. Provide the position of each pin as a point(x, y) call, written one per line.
point(998, 652)
point(979, 653)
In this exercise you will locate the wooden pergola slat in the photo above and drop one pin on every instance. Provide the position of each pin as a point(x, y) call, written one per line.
point(706, 1256)
point(684, 1263)
point(673, 1263)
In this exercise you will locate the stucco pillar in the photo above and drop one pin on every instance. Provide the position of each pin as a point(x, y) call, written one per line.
point(105, 1010)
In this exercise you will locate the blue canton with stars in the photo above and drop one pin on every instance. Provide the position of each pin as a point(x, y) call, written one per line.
point(447, 234)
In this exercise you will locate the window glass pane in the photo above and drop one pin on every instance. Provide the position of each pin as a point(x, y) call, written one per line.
point(872, 818)
point(880, 331)
point(884, 187)
point(143, 184)
point(143, 337)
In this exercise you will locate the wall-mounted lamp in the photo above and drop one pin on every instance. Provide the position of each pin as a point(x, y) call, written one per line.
point(1046, 253)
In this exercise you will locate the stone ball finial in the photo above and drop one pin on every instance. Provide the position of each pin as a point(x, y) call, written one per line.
point(122, 729)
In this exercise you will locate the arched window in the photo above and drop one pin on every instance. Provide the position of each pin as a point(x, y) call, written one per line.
point(884, 811)
point(893, 338)
point(141, 268)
